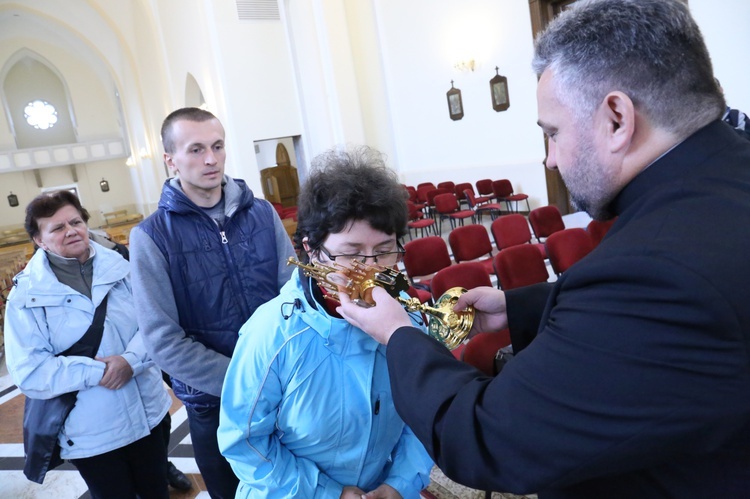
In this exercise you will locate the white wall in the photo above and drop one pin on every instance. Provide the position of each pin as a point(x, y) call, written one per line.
point(726, 28)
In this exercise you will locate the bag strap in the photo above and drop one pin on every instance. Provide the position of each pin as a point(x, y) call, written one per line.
point(88, 344)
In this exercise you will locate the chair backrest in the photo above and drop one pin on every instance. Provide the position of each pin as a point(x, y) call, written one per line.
point(425, 256)
point(422, 193)
point(510, 230)
point(436, 192)
point(426, 184)
point(469, 196)
point(484, 187)
point(466, 275)
point(566, 247)
point(446, 203)
point(460, 188)
point(469, 242)
point(414, 212)
point(502, 188)
point(520, 266)
point(597, 229)
point(546, 220)
point(451, 186)
point(412, 193)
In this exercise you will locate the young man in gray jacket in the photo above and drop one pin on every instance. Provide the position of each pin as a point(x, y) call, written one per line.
point(202, 263)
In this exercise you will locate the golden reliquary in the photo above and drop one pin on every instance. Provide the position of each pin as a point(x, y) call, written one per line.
point(445, 325)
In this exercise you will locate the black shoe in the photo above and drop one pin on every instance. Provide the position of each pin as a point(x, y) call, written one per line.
point(177, 478)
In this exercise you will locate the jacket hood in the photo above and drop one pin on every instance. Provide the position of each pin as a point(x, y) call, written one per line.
point(42, 285)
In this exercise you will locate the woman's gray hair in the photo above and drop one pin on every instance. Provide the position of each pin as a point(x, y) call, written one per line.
point(651, 50)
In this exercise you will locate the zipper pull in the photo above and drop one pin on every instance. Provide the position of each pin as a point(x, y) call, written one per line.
point(377, 406)
point(224, 239)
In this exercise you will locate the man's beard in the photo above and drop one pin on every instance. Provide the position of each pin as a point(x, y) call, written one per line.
point(589, 183)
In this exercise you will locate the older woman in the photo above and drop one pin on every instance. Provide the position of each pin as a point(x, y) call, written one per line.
point(306, 408)
point(113, 434)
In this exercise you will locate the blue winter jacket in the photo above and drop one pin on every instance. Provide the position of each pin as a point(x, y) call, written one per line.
point(219, 275)
point(306, 407)
point(45, 317)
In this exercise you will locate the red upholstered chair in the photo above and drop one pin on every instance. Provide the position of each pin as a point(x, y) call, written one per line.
point(597, 229)
point(417, 220)
point(459, 191)
point(518, 266)
point(431, 198)
point(446, 206)
point(494, 209)
point(424, 257)
point(426, 184)
point(545, 221)
point(466, 275)
point(481, 349)
point(512, 230)
point(470, 243)
point(503, 190)
point(447, 185)
point(566, 247)
point(484, 188)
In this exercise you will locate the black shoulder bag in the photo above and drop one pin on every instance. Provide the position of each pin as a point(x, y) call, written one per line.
point(43, 419)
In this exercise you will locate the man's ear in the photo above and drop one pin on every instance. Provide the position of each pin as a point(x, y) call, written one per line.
point(170, 164)
point(618, 117)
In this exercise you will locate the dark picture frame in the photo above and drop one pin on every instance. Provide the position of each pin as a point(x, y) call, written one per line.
point(455, 103)
point(12, 200)
point(499, 92)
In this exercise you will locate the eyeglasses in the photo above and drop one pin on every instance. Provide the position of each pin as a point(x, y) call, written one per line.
point(386, 258)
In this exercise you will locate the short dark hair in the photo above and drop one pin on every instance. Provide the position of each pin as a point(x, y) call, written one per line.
point(186, 113)
point(345, 186)
point(45, 205)
point(652, 50)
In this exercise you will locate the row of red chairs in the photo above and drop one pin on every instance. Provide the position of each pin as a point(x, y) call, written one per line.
point(444, 202)
point(519, 262)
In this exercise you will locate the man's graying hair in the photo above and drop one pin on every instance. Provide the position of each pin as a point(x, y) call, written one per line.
point(651, 50)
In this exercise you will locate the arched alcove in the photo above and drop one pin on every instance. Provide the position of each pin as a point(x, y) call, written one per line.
point(193, 95)
point(28, 78)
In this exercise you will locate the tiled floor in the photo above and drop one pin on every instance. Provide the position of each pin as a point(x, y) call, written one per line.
point(66, 483)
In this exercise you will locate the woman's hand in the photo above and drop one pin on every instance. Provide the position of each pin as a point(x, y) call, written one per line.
point(351, 492)
point(385, 491)
point(117, 372)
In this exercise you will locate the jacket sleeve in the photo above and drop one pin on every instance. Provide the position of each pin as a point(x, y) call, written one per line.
point(410, 472)
point(158, 320)
point(634, 364)
point(247, 429)
point(32, 362)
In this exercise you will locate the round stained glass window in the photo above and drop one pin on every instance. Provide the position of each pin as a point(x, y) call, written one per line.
point(40, 114)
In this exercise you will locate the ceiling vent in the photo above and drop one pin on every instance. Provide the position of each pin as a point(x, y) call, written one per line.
point(253, 10)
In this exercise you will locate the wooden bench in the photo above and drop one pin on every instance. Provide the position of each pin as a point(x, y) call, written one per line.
point(121, 217)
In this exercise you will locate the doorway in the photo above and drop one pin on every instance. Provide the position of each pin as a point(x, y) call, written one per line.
point(542, 12)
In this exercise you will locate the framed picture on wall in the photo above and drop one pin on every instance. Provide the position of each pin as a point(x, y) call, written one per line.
point(499, 92)
point(455, 104)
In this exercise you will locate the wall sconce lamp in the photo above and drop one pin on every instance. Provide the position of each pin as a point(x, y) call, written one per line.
point(104, 185)
point(465, 65)
point(144, 153)
point(12, 200)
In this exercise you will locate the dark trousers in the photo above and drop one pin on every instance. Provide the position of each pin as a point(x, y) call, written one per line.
point(138, 469)
point(215, 470)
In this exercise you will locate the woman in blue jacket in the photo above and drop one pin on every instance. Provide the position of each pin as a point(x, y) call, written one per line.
point(306, 408)
point(114, 433)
